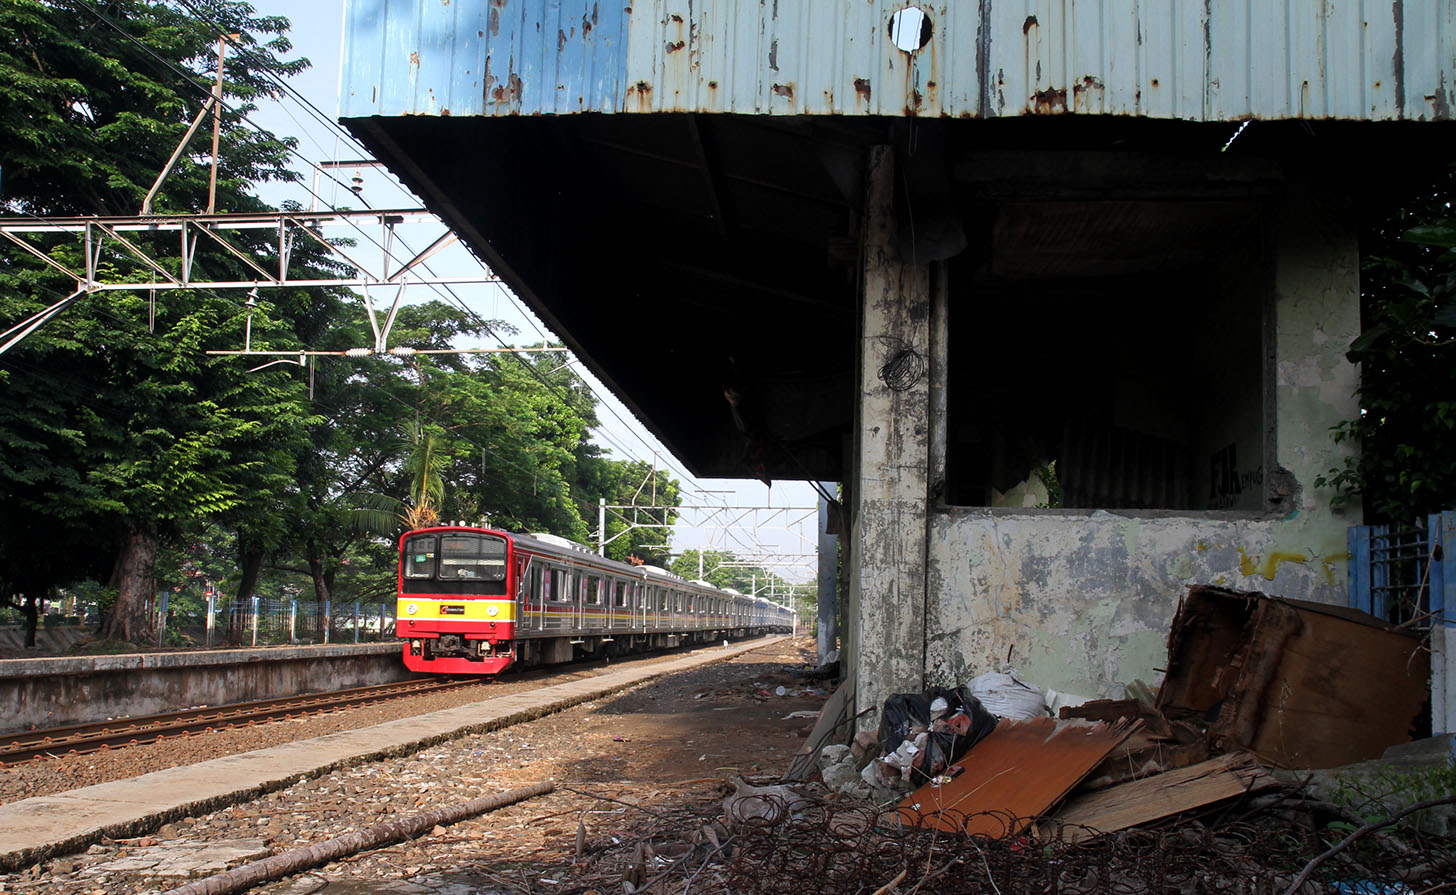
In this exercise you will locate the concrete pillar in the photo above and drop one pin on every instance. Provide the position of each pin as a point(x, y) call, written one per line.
point(890, 509)
point(828, 606)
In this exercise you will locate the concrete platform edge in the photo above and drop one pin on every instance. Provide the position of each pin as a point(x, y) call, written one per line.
point(19, 668)
point(13, 814)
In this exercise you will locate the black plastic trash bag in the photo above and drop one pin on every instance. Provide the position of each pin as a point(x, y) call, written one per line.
point(951, 728)
point(904, 714)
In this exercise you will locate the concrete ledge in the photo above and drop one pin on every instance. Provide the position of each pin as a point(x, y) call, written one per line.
point(35, 830)
point(14, 668)
point(79, 689)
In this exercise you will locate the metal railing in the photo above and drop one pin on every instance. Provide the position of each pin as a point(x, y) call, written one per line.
point(263, 622)
point(1398, 573)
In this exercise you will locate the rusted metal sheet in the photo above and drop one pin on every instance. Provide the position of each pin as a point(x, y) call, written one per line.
point(1218, 60)
point(1299, 684)
point(1161, 795)
point(1015, 774)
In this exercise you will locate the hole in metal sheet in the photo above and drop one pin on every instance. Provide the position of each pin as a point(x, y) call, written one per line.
point(910, 29)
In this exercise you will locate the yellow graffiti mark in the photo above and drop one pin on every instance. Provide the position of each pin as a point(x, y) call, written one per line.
point(1270, 564)
point(1329, 565)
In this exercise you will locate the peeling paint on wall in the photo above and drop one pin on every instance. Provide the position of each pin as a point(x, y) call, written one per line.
point(1081, 601)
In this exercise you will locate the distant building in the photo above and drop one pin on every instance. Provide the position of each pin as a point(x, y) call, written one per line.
point(969, 259)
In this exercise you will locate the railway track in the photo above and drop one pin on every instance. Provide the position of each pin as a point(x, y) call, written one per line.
point(121, 732)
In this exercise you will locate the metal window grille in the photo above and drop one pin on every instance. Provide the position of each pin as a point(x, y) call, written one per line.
point(1399, 573)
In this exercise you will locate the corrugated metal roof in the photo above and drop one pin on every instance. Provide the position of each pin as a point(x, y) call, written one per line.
point(1209, 61)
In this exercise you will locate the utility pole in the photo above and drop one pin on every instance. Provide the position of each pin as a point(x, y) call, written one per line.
point(602, 526)
point(217, 119)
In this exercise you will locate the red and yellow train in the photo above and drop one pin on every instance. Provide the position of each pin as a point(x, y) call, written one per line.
point(475, 600)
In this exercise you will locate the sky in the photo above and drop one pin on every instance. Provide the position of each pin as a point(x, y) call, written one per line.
point(317, 34)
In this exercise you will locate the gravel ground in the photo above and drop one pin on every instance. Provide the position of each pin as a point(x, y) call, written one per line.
point(664, 746)
point(69, 772)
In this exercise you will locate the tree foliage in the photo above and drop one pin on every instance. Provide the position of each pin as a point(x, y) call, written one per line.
point(130, 458)
point(146, 433)
point(1407, 355)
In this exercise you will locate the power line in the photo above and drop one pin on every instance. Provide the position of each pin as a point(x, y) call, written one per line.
point(288, 90)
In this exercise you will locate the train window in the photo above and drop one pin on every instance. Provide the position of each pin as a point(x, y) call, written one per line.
point(473, 556)
point(619, 594)
point(560, 590)
point(593, 590)
point(419, 556)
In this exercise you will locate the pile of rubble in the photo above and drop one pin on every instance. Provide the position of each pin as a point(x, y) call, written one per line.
point(1258, 692)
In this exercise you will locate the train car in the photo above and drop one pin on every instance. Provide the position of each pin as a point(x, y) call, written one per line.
point(475, 600)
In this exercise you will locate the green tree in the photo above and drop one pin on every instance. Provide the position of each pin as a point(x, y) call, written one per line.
point(1407, 355)
point(720, 568)
point(644, 501)
point(144, 434)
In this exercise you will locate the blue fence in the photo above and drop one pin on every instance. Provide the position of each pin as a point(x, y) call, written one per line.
point(1401, 574)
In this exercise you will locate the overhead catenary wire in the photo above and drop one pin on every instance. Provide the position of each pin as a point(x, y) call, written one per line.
point(245, 52)
point(285, 91)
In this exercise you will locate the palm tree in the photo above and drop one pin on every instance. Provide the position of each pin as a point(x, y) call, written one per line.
point(425, 465)
point(383, 514)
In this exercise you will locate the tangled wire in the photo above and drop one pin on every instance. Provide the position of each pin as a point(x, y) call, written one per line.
point(843, 848)
point(856, 849)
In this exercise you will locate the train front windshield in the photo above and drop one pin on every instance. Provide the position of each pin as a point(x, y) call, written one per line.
point(454, 563)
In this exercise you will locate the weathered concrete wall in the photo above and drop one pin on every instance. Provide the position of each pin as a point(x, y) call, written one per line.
point(1081, 600)
point(79, 689)
point(888, 532)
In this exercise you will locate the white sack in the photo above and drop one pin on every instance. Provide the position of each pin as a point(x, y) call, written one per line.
point(1007, 696)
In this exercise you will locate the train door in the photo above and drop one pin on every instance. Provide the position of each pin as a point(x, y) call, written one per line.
point(616, 598)
point(561, 610)
point(576, 581)
point(525, 572)
point(591, 598)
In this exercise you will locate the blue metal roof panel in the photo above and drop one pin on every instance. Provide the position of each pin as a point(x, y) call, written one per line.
point(1216, 60)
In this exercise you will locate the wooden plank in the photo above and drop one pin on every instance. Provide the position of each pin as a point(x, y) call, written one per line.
point(1014, 775)
point(1162, 795)
point(832, 716)
point(1126, 763)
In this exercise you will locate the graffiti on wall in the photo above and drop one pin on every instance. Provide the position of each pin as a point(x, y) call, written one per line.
point(1227, 484)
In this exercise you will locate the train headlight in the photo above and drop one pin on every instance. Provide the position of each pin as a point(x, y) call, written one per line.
point(412, 608)
point(492, 611)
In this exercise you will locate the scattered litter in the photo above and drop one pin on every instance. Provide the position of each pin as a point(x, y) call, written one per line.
point(921, 734)
point(803, 714)
point(761, 804)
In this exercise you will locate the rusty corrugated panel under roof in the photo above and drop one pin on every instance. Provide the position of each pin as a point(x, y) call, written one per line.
point(1218, 60)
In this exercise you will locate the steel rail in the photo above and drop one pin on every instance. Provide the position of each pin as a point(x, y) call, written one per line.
point(16, 748)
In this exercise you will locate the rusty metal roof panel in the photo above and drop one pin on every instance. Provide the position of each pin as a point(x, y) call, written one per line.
point(1210, 61)
point(1014, 775)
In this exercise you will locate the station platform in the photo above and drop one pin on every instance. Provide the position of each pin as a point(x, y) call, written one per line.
point(61, 690)
point(37, 829)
